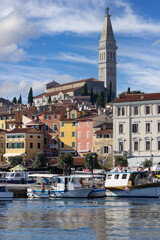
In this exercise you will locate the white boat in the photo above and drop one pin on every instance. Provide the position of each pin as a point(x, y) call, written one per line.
point(38, 191)
point(96, 182)
point(69, 187)
point(132, 184)
point(5, 195)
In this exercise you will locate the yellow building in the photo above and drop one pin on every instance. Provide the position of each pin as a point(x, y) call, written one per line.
point(68, 131)
point(7, 120)
point(23, 141)
point(2, 147)
point(103, 145)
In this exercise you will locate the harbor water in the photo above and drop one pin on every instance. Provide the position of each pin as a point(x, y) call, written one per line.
point(58, 219)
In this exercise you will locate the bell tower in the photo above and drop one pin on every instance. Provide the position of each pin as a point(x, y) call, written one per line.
point(107, 56)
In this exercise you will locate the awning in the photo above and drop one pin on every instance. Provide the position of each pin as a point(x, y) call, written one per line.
point(17, 168)
point(12, 154)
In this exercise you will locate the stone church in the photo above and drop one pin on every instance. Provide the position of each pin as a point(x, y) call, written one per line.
point(107, 72)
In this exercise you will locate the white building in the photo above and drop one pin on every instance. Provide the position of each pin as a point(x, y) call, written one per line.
point(136, 127)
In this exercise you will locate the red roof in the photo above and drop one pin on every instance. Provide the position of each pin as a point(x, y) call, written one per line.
point(138, 97)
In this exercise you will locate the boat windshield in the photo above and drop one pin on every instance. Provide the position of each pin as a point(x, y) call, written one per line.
point(8, 175)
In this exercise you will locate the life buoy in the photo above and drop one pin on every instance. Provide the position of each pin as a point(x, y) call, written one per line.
point(139, 169)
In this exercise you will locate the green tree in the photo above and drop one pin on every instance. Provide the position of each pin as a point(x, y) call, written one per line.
point(109, 93)
point(14, 100)
point(65, 162)
point(30, 96)
point(147, 163)
point(92, 96)
point(20, 99)
point(49, 99)
point(100, 100)
point(84, 90)
point(120, 160)
point(40, 161)
point(14, 161)
point(91, 161)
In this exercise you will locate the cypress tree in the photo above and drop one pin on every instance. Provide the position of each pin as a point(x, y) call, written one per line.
point(92, 96)
point(20, 99)
point(84, 90)
point(14, 100)
point(100, 100)
point(30, 96)
point(109, 93)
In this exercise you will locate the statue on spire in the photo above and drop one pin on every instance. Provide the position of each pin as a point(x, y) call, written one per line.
point(107, 11)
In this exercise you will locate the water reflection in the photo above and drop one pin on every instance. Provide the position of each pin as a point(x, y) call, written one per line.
point(86, 219)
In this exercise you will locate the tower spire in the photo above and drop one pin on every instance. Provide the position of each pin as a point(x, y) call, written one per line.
point(107, 55)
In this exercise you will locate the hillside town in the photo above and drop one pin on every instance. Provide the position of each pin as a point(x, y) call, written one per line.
point(82, 117)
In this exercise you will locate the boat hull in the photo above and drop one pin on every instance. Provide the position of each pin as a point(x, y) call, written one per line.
point(31, 193)
point(6, 196)
point(97, 192)
point(77, 193)
point(153, 192)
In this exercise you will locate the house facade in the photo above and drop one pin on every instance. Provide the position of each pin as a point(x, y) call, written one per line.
point(136, 127)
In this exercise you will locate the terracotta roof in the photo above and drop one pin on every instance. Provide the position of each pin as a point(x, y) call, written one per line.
point(23, 130)
point(104, 131)
point(138, 97)
point(34, 122)
point(57, 92)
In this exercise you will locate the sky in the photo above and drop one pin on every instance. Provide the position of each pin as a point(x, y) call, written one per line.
point(46, 40)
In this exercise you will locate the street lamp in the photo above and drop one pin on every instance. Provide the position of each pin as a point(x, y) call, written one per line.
point(25, 163)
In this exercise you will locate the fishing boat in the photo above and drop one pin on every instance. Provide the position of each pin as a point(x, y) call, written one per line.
point(5, 195)
point(132, 184)
point(69, 187)
point(38, 191)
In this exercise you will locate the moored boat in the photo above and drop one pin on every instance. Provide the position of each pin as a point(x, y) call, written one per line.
point(69, 187)
point(132, 184)
point(5, 195)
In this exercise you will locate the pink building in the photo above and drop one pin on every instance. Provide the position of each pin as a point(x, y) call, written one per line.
point(84, 134)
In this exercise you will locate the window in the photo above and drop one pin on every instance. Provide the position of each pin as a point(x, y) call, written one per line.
point(55, 116)
point(124, 176)
point(135, 110)
point(2, 125)
point(88, 146)
point(73, 115)
point(119, 111)
point(2, 117)
point(120, 146)
point(88, 123)
point(47, 127)
point(73, 144)
point(7, 117)
point(148, 145)
point(13, 117)
point(116, 176)
point(79, 124)
point(135, 128)
point(31, 136)
point(158, 108)
point(62, 134)
point(135, 146)
point(147, 127)
point(99, 135)
point(62, 144)
point(109, 176)
point(38, 145)
point(147, 109)
point(7, 126)
point(45, 141)
point(79, 134)
point(55, 127)
point(123, 111)
point(120, 128)
point(105, 149)
point(38, 136)
point(73, 134)
point(73, 124)
point(62, 124)
point(79, 146)
point(158, 145)
point(158, 126)
point(31, 144)
point(88, 134)
point(46, 117)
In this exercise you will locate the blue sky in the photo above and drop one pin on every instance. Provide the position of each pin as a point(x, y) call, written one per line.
point(42, 40)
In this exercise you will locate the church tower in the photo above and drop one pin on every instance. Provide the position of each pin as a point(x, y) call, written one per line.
point(107, 56)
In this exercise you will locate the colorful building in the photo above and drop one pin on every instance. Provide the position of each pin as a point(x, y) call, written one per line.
point(25, 142)
point(2, 147)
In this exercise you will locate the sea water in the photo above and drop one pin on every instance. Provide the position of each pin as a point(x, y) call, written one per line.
point(58, 219)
